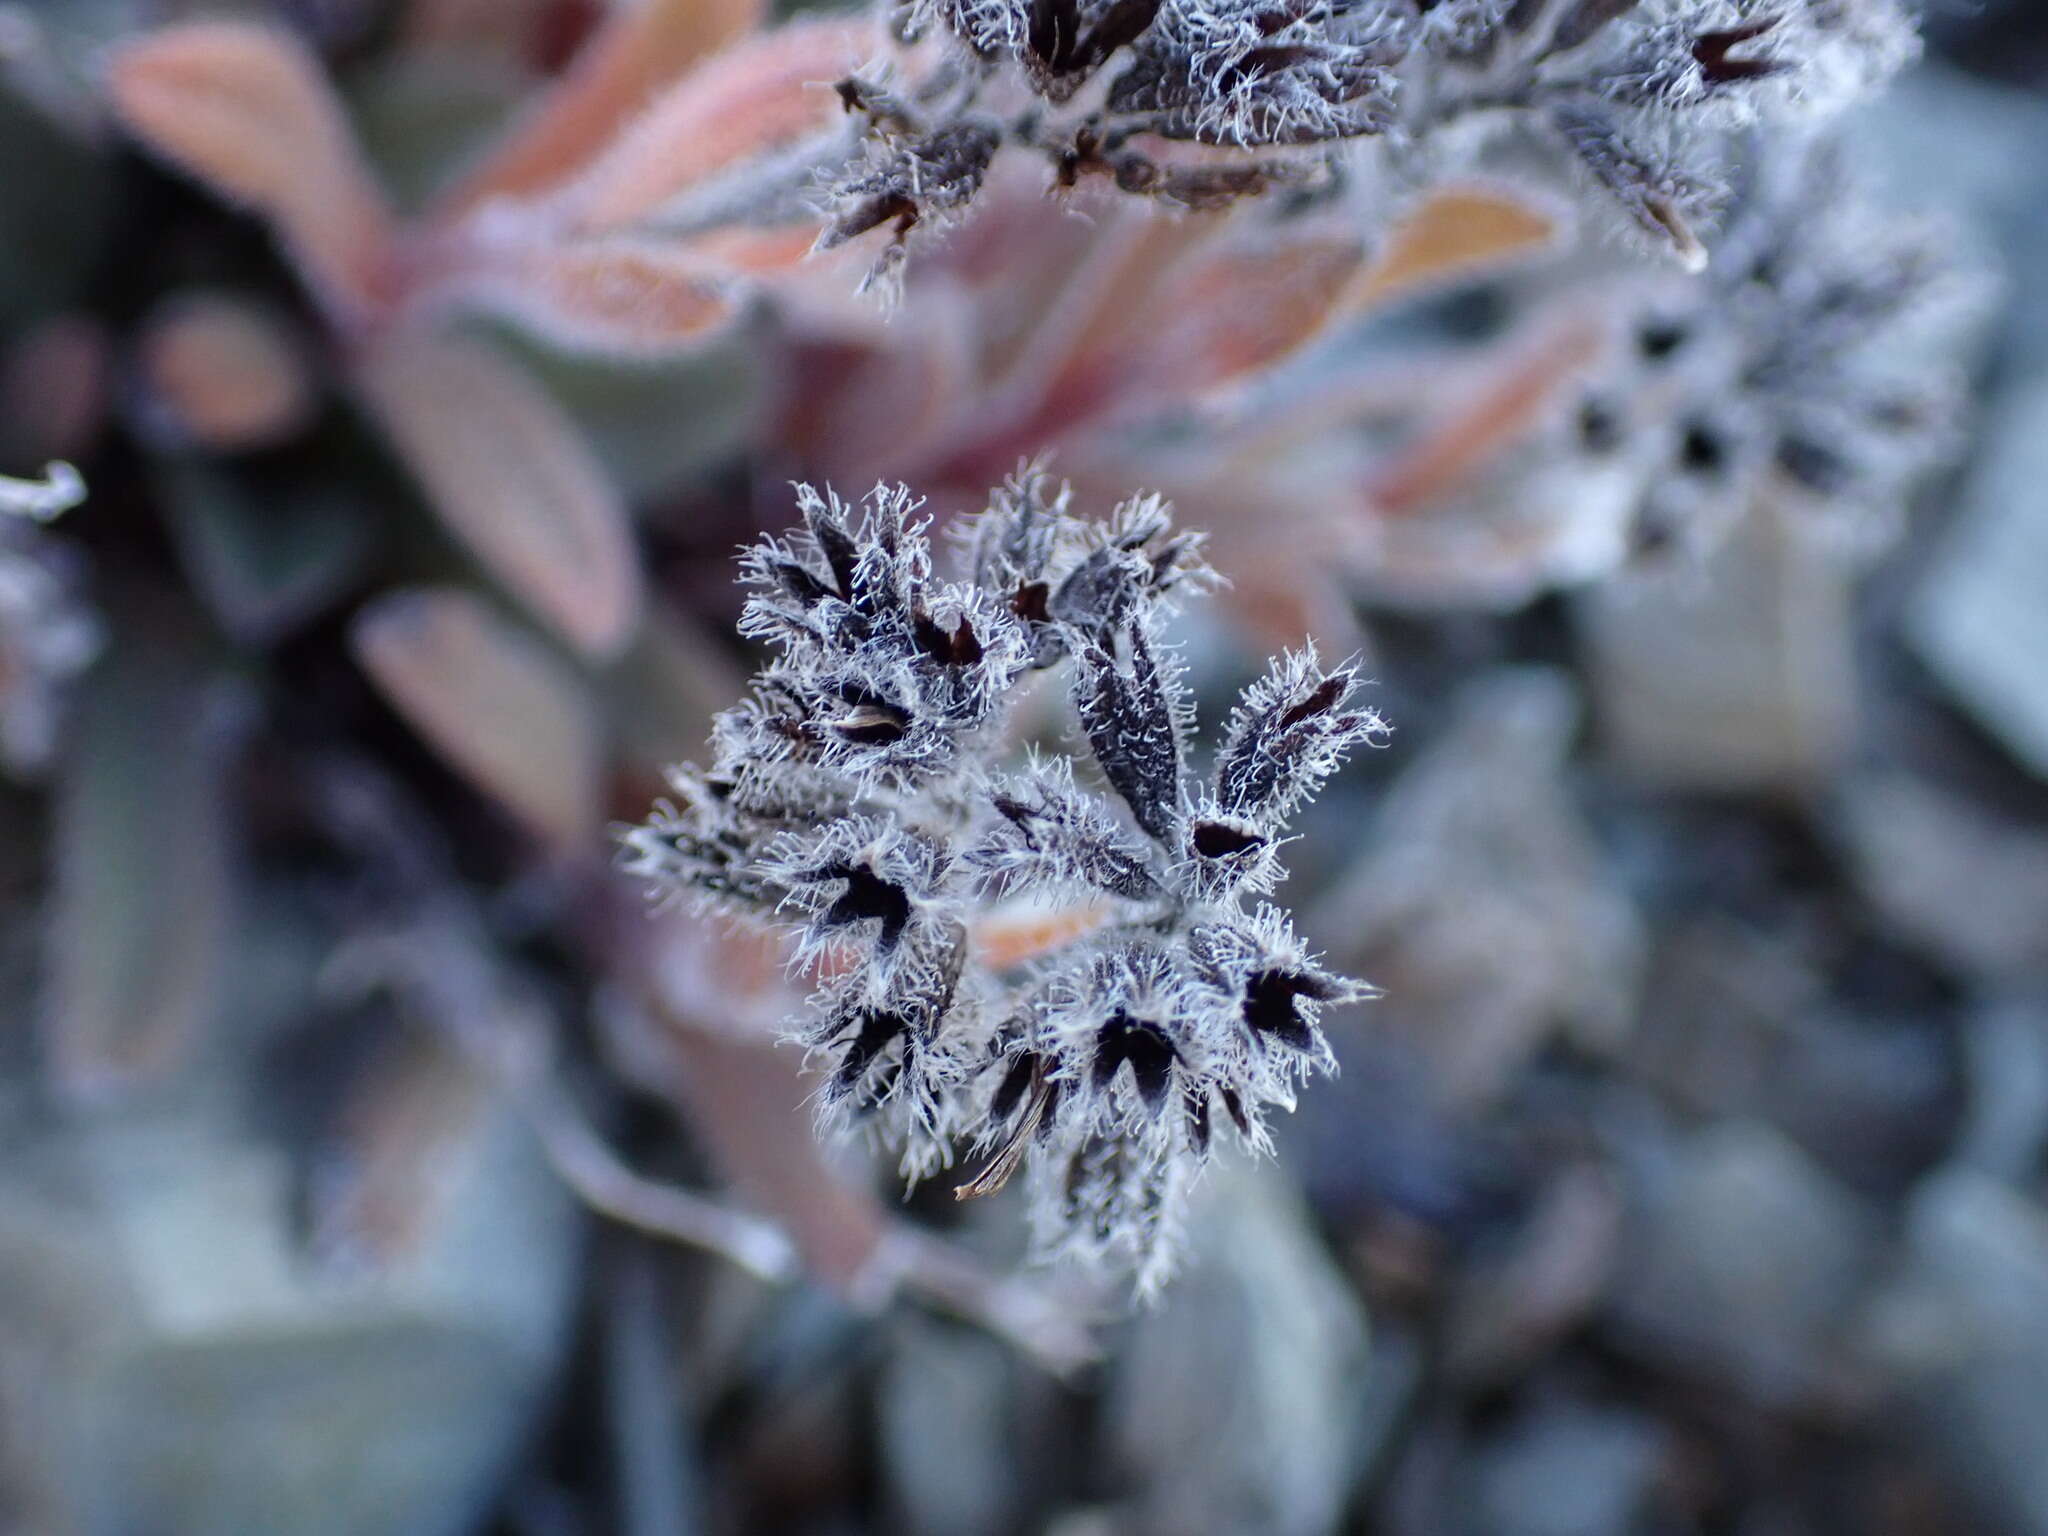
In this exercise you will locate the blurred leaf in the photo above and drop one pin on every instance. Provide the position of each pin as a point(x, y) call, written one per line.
point(143, 898)
point(1526, 383)
point(246, 109)
point(263, 569)
point(655, 425)
point(510, 474)
point(53, 390)
point(761, 96)
point(640, 49)
point(1226, 314)
point(406, 1133)
point(224, 372)
point(622, 298)
point(1455, 233)
point(664, 691)
point(501, 707)
point(54, 207)
point(424, 113)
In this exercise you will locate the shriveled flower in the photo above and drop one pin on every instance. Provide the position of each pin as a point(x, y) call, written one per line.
point(859, 797)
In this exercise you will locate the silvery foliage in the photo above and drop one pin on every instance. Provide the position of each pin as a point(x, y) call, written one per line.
point(1641, 95)
point(861, 795)
point(48, 635)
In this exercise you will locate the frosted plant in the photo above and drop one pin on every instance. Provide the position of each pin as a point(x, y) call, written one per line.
point(1819, 358)
point(1202, 102)
point(57, 492)
point(1644, 95)
point(47, 634)
point(861, 796)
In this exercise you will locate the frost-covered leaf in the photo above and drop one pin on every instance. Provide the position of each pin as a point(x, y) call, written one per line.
point(764, 95)
point(632, 299)
point(640, 49)
point(264, 564)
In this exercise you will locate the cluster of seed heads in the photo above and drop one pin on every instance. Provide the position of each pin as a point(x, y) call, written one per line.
point(870, 794)
point(1203, 102)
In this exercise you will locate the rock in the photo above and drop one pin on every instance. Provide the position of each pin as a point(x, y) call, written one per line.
point(171, 1360)
point(1739, 677)
point(1944, 140)
point(2006, 1051)
point(1509, 1313)
point(1236, 1401)
point(1738, 1021)
point(1966, 885)
point(1395, 1377)
point(952, 1450)
point(1978, 617)
point(1569, 1469)
point(1741, 1261)
point(1484, 909)
point(1965, 1331)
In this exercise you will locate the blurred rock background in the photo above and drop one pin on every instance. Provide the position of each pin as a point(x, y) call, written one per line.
point(1688, 1179)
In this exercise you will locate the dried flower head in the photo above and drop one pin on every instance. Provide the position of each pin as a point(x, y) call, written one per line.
point(859, 795)
point(1819, 359)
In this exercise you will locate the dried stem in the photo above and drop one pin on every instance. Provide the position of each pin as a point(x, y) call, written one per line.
point(589, 1167)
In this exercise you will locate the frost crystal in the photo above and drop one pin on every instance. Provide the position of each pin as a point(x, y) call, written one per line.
point(1007, 961)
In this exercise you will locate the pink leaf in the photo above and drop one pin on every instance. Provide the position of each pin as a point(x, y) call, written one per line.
point(224, 371)
point(247, 110)
point(767, 94)
point(639, 50)
point(1230, 313)
point(505, 711)
point(623, 298)
point(509, 474)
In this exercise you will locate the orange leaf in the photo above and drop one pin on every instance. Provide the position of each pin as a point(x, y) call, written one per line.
point(510, 475)
point(1228, 314)
point(1501, 415)
point(494, 701)
point(1458, 231)
point(1004, 942)
point(766, 94)
point(638, 51)
point(247, 110)
point(226, 371)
